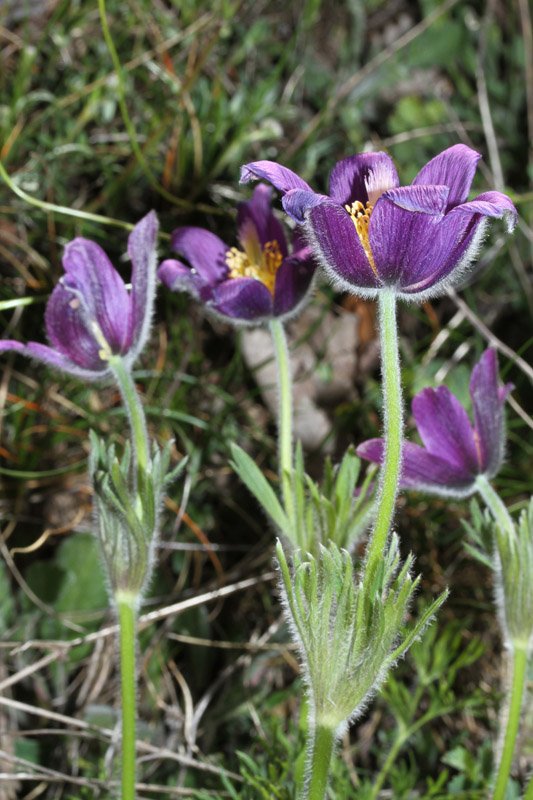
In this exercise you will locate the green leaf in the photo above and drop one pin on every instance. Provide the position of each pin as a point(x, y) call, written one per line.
point(253, 478)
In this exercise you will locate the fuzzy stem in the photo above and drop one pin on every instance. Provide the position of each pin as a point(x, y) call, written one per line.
point(389, 476)
point(495, 504)
point(322, 751)
point(284, 413)
point(127, 614)
point(135, 411)
point(513, 722)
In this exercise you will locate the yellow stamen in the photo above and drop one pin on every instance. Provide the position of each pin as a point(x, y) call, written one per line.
point(360, 215)
point(105, 351)
point(240, 265)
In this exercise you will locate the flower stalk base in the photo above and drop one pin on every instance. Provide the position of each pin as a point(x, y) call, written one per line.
point(127, 616)
point(323, 744)
point(513, 722)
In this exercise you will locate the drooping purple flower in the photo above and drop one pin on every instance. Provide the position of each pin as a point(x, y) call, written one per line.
point(455, 452)
point(253, 284)
point(370, 232)
point(90, 315)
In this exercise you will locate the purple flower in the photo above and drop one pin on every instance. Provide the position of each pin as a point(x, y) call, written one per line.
point(455, 452)
point(370, 232)
point(90, 315)
point(253, 283)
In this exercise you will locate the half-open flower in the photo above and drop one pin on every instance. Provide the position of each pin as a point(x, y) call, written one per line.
point(253, 283)
point(91, 316)
point(455, 452)
point(370, 232)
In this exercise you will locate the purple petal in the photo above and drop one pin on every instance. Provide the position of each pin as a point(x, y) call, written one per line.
point(298, 201)
point(337, 246)
point(9, 345)
point(455, 168)
point(446, 254)
point(281, 178)
point(490, 204)
point(445, 429)
point(92, 280)
point(423, 199)
point(180, 278)
point(362, 177)
point(70, 332)
point(488, 401)
point(421, 470)
point(401, 239)
point(242, 298)
point(52, 358)
point(205, 252)
point(256, 222)
point(142, 249)
point(293, 280)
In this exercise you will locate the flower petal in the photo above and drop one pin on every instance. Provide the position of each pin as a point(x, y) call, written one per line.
point(336, 245)
point(488, 401)
point(298, 201)
point(402, 227)
point(455, 168)
point(10, 345)
point(205, 252)
point(423, 471)
point(52, 358)
point(445, 429)
point(242, 299)
point(281, 178)
point(293, 280)
point(142, 249)
point(256, 219)
point(177, 277)
point(69, 329)
point(362, 177)
point(93, 281)
point(490, 204)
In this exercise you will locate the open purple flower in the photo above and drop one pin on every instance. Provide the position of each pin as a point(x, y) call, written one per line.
point(91, 316)
point(370, 232)
point(455, 452)
point(253, 284)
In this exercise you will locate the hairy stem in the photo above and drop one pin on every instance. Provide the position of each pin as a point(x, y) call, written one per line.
point(321, 753)
point(495, 505)
point(127, 615)
point(518, 680)
point(132, 402)
point(284, 414)
point(389, 476)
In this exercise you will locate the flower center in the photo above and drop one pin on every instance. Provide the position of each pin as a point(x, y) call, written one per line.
point(360, 215)
point(270, 260)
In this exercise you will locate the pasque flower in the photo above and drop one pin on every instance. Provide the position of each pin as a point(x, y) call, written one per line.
point(253, 283)
point(370, 232)
point(91, 316)
point(455, 452)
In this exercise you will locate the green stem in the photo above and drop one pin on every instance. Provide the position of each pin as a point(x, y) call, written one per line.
point(285, 413)
point(389, 477)
point(389, 761)
point(52, 207)
point(127, 615)
point(323, 744)
point(529, 791)
point(141, 450)
point(513, 722)
point(496, 505)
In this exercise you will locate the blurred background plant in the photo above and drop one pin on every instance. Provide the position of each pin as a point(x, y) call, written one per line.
point(205, 87)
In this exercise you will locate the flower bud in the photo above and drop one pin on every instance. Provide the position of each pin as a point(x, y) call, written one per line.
point(349, 630)
point(127, 513)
